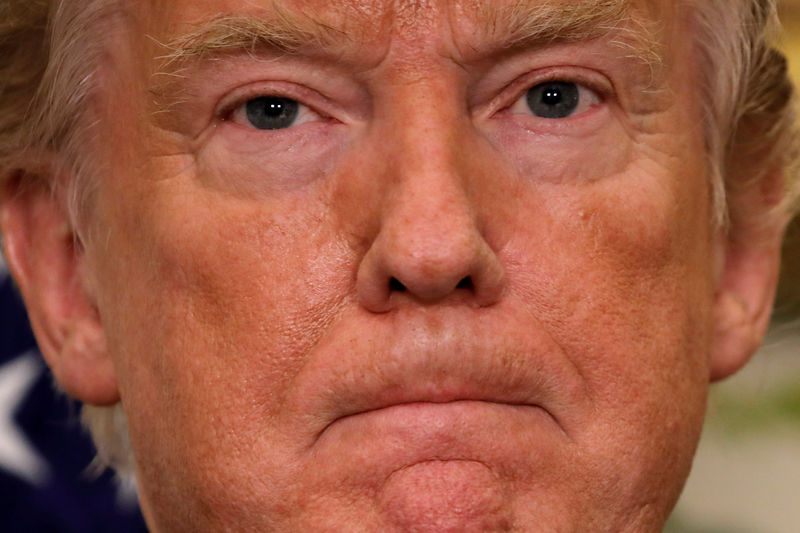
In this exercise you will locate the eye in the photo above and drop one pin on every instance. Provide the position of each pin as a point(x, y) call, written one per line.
point(556, 99)
point(272, 113)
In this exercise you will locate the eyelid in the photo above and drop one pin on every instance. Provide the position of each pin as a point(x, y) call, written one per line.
point(585, 102)
point(310, 101)
point(239, 115)
point(518, 88)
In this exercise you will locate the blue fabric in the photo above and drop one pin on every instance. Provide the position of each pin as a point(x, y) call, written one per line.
point(50, 491)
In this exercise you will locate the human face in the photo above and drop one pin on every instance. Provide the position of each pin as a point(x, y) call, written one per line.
point(464, 285)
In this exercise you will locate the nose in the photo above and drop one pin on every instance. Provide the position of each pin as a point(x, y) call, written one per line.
point(430, 244)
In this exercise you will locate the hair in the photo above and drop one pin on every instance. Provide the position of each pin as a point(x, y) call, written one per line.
point(51, 52)
point(51, 55)
point(751, 127)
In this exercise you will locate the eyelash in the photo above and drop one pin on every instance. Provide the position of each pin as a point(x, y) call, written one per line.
point(304, 113)
point(239, 100)
point(519, 90)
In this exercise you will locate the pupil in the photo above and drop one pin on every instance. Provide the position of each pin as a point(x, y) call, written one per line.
point(552, 96)
point(271, 113)
point(275, 109)
point(553, 100)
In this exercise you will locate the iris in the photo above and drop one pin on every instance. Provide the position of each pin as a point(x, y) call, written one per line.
point(272, 112)
point(555, 99)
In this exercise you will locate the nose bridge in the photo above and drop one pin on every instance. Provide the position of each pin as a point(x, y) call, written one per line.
point(424, 140)
point(425, 178)
point(429, 213)
point(429, 243)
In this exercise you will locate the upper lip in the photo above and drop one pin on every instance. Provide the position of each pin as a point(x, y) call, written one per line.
point(359, 369)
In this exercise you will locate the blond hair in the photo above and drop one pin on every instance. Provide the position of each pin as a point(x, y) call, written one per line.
point(751, 126)
point(50, 57)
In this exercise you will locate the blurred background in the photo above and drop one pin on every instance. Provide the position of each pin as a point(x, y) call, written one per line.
point(746, 476)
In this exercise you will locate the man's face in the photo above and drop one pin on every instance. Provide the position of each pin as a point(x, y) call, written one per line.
point(432, 270)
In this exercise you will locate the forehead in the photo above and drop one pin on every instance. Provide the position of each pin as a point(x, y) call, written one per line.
point(467, 22)
point(376, 13)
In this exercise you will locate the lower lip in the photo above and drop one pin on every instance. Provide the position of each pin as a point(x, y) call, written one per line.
point(409, 433)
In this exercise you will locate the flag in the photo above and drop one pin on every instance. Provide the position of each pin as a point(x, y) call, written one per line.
point(45, 486)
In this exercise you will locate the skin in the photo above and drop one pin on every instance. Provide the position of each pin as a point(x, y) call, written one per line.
point(421, 308)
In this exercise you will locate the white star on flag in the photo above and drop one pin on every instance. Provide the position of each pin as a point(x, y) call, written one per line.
point(17, 456)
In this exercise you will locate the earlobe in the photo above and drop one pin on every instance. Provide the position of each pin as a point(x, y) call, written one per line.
point(47, 262)
point(744, 299)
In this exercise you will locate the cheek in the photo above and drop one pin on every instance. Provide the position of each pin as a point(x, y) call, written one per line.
point(226, 292)
point(617, 272)
point(265, 282)
point(635, 276)
point(258, 164)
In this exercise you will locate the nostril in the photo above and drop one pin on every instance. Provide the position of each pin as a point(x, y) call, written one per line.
point(396, 285)
point(465, 283)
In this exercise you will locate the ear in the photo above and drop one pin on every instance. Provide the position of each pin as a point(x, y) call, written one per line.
point(749, 277)
point(46, 259)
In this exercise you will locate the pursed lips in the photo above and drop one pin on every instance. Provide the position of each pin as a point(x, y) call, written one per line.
point(352, 374)
point(436, 400)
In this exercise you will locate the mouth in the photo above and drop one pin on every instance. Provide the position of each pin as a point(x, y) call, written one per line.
point(437, 408)
point(425, 381)
point(373, 445)
point(424, 414)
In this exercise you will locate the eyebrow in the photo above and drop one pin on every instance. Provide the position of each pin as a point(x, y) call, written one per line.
point(527, 21)
point(635, 33)
point(280, 30)
point(523, 24)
